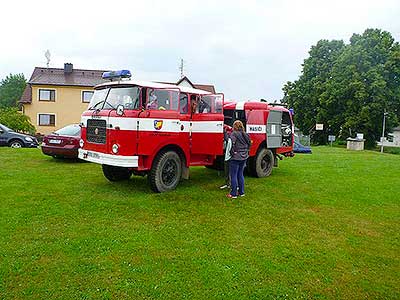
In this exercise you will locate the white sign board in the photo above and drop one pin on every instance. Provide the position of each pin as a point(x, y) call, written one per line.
point(319, 126)
point(331, 138)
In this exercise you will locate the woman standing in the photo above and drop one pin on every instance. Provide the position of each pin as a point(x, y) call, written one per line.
point(240, 152)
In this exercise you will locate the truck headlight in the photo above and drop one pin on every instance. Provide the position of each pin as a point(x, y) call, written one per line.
point(81, 143)
point(29, 139)
point(115, 148)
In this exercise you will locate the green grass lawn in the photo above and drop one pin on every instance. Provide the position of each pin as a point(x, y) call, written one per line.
point(323, 226)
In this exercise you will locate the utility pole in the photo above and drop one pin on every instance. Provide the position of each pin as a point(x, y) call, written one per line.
point(383, 128)
point(181, 68)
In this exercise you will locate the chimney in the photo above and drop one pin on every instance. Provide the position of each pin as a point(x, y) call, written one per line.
point(68, 68)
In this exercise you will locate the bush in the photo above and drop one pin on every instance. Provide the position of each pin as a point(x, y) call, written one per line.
point(391, 150)
point(15, 120)
point(339, 143)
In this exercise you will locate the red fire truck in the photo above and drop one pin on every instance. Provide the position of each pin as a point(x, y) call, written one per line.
point(160, 130)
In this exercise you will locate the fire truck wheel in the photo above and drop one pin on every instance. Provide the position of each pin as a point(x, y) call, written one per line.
point(166, 172)
point(261, 165)
point(113, 173)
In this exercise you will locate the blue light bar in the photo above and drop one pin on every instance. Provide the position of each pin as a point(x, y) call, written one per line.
point(117, 74)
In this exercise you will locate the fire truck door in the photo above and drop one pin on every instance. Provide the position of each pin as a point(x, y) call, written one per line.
point(159, 123)
point(274, 133)
point(207, 121)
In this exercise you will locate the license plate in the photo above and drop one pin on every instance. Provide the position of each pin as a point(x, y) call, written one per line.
point(55, 141)
point(94, 155)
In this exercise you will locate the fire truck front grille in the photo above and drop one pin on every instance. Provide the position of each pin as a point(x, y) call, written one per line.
point(96, 131)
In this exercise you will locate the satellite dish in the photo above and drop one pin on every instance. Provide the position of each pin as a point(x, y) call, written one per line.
point(47, 55)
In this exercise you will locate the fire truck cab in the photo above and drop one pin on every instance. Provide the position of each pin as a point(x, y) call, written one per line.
point(160, 130)
point(271, 131)
point(150, 128)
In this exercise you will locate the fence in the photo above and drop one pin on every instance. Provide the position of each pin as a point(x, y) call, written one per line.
point(302, 139)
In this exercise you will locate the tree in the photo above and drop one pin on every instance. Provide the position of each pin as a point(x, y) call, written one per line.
point(351, 87)
point(304, 95)
point(15, 120)
point(11, 89)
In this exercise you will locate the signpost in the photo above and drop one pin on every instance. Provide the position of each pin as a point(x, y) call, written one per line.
point(383, 129)
point(331, 138)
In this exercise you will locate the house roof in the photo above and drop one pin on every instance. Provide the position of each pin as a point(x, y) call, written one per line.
point(26, 95)
point(84, 78)
point(58, 77)
point(205, 87)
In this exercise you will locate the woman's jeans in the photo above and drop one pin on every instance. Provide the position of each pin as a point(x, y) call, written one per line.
point(227, 175)
point(236, 168)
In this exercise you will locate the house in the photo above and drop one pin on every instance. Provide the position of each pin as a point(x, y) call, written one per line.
point(55, 97)
point(184, 81)
point(394, 138)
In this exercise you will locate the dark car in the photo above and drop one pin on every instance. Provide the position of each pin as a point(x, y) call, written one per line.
point(9, 137)
point(63, 142)
point(299, 148)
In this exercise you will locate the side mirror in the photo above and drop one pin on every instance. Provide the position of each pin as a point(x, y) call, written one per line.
point(120, 110)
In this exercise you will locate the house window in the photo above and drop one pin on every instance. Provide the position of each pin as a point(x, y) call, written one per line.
point(47, 95)
point(87, 96)
point(46, 120)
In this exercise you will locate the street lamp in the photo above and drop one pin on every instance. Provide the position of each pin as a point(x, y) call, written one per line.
point(383, 129)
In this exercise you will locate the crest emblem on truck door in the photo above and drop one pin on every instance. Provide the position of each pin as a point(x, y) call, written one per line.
point(158, 124)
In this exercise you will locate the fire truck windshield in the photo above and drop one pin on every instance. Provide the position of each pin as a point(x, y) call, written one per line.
point(110, 98)
point(98, 98)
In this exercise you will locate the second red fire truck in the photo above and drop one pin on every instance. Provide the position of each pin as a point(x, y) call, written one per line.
point(160, 130)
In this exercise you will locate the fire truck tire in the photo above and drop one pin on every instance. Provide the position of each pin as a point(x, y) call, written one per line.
point(261, 165)
point(166, 172)
point(113, 173)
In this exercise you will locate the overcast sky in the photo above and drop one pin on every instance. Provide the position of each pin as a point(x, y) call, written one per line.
point(247, 49)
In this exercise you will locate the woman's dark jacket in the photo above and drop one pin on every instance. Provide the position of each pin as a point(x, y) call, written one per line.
point(240, 145)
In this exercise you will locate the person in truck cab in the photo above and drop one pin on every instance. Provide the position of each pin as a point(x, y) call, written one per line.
point(193, 104)
point(153, 102)
point(204, 107)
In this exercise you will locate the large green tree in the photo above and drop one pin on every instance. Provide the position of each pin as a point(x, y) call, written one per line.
point(349, 86)
point(11, 89)
point(304, 95)
point(15, 120)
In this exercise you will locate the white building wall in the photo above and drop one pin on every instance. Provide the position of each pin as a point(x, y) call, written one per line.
point(185, 84)
point(396, 139)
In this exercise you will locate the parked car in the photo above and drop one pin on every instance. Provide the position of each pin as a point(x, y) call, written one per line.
point(63, 142)
point(9, 137)
point(299, 148)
